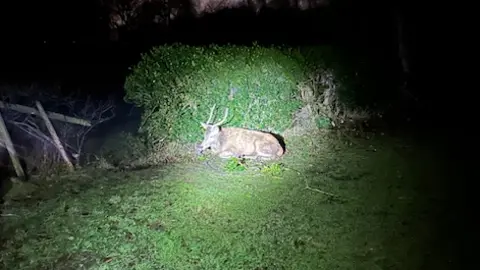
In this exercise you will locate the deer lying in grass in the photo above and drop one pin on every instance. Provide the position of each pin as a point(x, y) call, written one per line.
point(239, 142)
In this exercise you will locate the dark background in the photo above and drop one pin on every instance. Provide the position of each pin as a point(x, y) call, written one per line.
point(69, 41)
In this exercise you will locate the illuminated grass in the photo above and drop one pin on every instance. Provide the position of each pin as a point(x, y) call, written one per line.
point(194, 216)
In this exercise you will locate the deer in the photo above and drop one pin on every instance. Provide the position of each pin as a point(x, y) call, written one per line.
point(228, 142)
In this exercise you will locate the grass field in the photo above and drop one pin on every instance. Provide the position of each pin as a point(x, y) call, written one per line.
point(332, 204)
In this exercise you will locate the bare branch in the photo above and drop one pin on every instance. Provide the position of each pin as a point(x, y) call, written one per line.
point(37, 148)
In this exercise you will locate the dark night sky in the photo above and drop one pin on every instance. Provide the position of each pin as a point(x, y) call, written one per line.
point(68, 41)
point(54, 36)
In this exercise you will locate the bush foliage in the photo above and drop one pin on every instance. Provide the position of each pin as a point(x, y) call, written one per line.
point(177, 85)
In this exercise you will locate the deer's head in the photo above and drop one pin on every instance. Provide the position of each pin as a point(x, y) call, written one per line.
point(212, 131)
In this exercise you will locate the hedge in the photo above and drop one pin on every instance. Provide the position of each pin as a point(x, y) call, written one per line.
point(176, 85)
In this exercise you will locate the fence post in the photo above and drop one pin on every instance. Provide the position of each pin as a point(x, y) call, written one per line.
point(54, 135)
point(7, 141)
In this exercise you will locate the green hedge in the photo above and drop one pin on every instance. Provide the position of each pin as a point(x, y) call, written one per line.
point(176, 85)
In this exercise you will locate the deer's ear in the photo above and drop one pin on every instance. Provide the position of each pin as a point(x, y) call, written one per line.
point(204, 126)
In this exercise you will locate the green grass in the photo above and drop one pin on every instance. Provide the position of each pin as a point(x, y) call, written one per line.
point(201, 216)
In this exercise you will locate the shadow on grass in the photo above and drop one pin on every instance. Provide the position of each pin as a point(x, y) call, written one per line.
point(336, 205)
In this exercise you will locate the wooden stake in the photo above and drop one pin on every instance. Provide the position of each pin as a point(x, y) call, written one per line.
point(54, 135)
point(51, 115)
point(5, 137)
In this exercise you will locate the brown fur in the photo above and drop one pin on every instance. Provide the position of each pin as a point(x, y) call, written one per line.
point(240, 142)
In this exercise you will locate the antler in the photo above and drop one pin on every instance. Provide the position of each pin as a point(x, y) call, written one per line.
point(211, 114)
point(224, 118)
